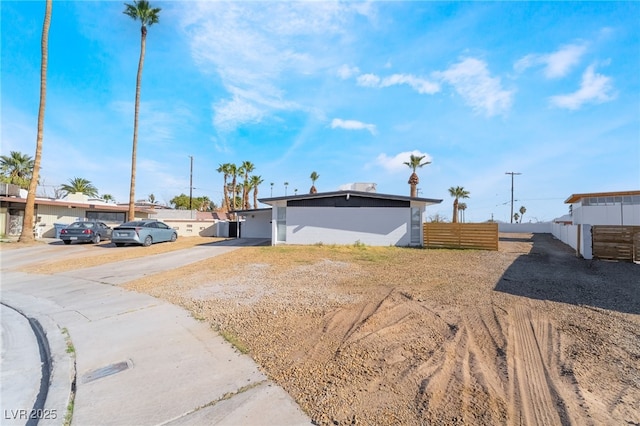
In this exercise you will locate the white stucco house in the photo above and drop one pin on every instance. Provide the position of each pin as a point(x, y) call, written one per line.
point(340, 217)
point(605, 208)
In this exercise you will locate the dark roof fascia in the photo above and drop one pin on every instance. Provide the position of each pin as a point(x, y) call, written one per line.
point(242, 212)
point(349, 192)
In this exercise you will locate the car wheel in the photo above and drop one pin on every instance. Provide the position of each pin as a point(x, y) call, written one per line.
point(147, 241)
point(174, 237)
point(66, 241)
point(119, 244)
point(96, 239)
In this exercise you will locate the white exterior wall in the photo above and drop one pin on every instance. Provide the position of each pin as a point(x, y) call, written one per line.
point(616, 214)
point(380, 226)
point(256, 225)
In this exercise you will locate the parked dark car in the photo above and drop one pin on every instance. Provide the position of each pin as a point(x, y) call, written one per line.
point(144, 232)
point(88, 231)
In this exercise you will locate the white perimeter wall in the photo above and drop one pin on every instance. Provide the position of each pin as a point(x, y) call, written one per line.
point(532, 228)
point(568, 234)
point(381, 226)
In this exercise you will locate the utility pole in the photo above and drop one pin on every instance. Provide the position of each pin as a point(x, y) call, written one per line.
point(512, 173)
point(191, 185)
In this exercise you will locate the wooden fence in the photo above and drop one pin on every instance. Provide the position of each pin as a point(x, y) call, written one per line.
point(483, 236)
point(616, 242)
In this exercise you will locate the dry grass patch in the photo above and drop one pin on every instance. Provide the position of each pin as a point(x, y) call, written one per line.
point(106, 252)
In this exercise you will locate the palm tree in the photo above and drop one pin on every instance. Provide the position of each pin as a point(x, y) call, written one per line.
point(516, 216)
point(142, 11)
point(271, 188)
point(461, 208)
point(286, 184)
point(314, 177)
point(247, 167)
point(415, 162)
point(225, 169)
point(107, 197)
point(233, 172)
point(30, 207)
point(255, 182)
point(457, 192)
point(79, 185)
point(17, 169)
point(523, 210)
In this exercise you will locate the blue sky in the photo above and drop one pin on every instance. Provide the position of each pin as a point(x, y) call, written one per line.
point(349, 90)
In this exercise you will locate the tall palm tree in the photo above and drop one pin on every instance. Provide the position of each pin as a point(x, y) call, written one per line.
point(314, 177)
point(80, 185)
point(30, 207)
point(255, 181)
point(516, 216)
point(17, 169)
point(142, 11)
point(461, 208)
point(523, 210)
point(415, 162)
point(233, 172)
point(226, 171)
point(247, 167)
point(286, 184)
point(457, 192)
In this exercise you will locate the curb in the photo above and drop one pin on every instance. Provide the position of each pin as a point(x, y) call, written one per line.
point(62, 364)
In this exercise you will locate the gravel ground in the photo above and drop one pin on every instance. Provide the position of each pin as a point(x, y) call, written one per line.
point(382, 335)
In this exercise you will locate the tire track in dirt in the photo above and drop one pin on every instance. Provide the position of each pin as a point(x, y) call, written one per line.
point(537, 393)
point(467, 376)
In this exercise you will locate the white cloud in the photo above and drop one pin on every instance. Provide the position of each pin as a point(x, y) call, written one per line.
point(472, 81)
point(255, 50)
point(368, 80)
point(418, 84)
point(338, 123)
point(230, 112)
point(594, 88)
point(556, 64)
point(396, 163)
point(345, 72)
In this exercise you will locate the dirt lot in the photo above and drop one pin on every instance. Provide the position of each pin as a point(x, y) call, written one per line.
point(361, 335)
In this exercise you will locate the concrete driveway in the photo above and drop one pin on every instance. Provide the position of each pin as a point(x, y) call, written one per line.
point(133, 359)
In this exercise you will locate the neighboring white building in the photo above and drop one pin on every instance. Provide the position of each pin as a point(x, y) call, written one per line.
point(341, 217)
point(605, 208)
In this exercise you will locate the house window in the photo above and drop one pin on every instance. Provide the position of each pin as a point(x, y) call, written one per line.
point(416, 225)
point(281, 223)
point(106, 216)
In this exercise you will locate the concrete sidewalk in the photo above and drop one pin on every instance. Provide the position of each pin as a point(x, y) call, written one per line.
point(139, 360)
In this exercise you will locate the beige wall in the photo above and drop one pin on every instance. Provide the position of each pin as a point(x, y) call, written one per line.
point(192, 228)
point(3, 221)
